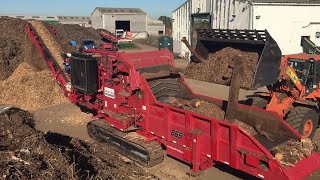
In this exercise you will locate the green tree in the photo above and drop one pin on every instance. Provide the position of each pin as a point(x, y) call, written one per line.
point(166, 21)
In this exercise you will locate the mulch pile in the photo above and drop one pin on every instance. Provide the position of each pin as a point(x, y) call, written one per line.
point(48, 39)
point(207, 109)
point(217, 68)
point(15, 47)
point(293, 151)
point(68, 32)
point(29, 154)
point(203, 107)
point(30, 89)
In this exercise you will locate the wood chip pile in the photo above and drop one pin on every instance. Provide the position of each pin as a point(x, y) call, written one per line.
point(207, 109)
point(15, 47)
point(293, 151)
point(49, 41)
point(30, 89)
point(217, 68)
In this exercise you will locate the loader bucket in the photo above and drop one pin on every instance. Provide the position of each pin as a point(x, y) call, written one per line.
point(268, 65)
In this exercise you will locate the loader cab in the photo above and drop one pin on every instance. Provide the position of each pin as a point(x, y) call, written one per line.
point(307, 68)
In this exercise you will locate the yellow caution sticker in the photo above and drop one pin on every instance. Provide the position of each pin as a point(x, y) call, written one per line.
point(292, 75)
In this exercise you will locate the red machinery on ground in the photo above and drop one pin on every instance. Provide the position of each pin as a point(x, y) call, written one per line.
point(129, 95)
point(111, 42)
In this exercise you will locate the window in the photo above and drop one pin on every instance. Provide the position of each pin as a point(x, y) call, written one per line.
point(35, 16)
point(72, 17)
point(160, 32)
point(50, 17)
point(20, 16)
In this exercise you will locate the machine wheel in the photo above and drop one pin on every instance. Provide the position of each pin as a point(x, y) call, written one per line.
point(304, 120)
point(257, 102)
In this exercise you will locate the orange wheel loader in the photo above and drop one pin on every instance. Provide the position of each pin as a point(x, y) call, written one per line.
point(295, 96)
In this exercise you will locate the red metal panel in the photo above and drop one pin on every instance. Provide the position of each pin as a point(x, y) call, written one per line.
point(252, 160)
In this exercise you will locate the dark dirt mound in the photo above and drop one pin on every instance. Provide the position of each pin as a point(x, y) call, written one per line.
point(29, 154)
point(77, 33)
point(216, 69)
point(15, 47)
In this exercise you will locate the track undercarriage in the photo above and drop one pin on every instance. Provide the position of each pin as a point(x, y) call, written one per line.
point(129, 144)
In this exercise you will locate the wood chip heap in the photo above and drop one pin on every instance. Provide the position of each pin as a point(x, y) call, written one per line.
point(293, 151)
point(30, 89)
point(207, 109)
point(15, 47)
point(217, 68)
point(49, 41)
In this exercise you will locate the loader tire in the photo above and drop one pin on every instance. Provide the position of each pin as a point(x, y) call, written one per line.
point(304, 120)
point(257, 102)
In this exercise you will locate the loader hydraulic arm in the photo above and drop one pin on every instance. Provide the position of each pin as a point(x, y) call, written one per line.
point(291, 74)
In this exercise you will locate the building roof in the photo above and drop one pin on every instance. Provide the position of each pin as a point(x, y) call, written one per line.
point(154, 22)
point(74, 18)
point(288, 1)
point(109, 10)
point(41, 18)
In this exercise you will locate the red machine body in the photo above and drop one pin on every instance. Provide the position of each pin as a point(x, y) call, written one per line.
point(129, 93)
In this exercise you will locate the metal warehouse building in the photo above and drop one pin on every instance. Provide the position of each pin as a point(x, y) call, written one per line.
point(48, 19)
point(155, 27)
point(128, 19)
point(84, 21)
point(286, 20)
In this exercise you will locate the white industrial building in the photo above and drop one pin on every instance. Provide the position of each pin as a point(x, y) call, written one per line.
point(52, 19)
point(155, 27)
point(286, 20)
point(127, 19)
point(84, 21)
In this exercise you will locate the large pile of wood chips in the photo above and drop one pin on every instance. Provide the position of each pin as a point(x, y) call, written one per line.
point(30, 89)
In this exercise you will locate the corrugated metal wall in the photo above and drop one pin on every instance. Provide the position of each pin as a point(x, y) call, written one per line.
point(230, 14)
point(225, 14)
point(182, 21)
point(287, 23)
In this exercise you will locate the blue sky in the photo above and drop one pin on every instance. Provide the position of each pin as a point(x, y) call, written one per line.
point(154, 8)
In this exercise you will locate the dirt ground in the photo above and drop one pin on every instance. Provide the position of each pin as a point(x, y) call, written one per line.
point(152, 41)
point(30, 154)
